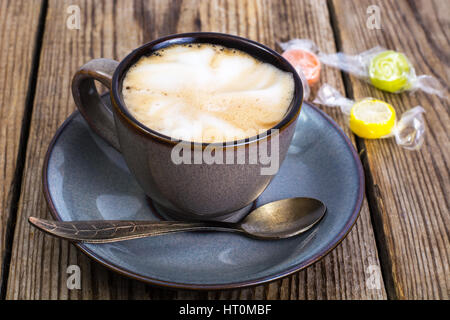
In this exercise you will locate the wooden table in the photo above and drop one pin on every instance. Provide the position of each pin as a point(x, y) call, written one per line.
point(402, 233)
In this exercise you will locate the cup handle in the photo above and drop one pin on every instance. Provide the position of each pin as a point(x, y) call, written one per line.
point(99, 117)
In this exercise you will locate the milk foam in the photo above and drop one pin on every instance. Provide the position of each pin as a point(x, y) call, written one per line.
point(206, 93)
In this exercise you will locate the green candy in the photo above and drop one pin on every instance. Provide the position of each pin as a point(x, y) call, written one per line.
point(390, 71)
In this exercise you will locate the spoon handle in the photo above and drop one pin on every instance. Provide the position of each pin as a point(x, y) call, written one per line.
point(104, 231)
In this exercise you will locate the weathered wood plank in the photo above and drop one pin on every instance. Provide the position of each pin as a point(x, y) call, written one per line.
point(18, 30)
point(112, 29)
point(409, 190)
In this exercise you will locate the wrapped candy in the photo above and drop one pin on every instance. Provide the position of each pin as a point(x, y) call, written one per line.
point(371, 118)
point(386, 70)
point(302, 54)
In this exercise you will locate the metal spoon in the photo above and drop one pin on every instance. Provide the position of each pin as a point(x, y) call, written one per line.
point(274, 220)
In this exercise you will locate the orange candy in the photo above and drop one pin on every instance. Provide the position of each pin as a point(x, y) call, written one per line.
point(306, 61)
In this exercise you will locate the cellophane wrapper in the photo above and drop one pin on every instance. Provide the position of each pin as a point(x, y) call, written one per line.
point(409, 130)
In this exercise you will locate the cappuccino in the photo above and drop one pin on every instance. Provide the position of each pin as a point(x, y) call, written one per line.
point(206, 93)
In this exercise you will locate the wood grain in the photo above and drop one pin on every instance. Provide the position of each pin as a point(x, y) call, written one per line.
point(408, 190)
point(18, 30)
point(111, 29)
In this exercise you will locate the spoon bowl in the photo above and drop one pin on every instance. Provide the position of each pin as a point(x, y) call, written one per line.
point(275, 220)
point(283, 218)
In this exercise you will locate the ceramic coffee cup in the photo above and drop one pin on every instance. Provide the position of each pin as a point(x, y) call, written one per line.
point(187, 190)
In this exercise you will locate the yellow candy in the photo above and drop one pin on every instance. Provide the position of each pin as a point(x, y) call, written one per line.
point(390, 71)
point(372, 118)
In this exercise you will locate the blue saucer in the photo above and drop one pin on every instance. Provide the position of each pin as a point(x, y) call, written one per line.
point(84, 178)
